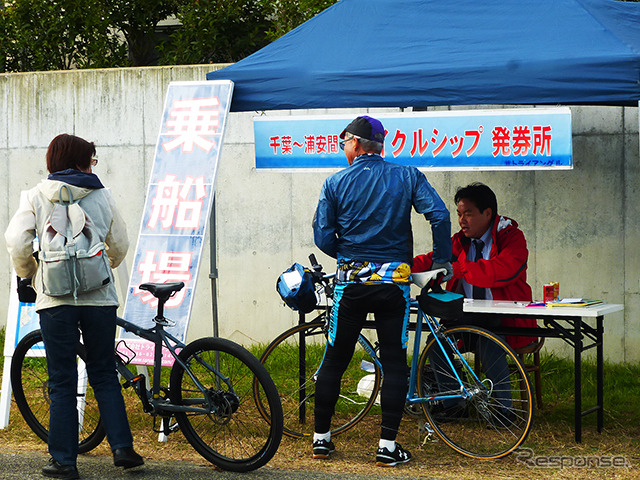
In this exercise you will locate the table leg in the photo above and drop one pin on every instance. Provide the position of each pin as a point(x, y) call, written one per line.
point(578, 379)
point(600, 371)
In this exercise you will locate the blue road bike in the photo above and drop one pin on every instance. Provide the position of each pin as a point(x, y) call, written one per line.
point(476, 414)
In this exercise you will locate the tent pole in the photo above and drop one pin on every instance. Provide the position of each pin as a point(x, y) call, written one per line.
point(213, 267)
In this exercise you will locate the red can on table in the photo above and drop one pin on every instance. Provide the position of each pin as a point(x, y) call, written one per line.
point(548, 292)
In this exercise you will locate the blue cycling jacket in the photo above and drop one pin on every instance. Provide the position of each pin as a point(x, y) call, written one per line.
point(364, 213)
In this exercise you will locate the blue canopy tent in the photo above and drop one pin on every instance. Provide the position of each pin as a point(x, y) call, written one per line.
point(399, 53)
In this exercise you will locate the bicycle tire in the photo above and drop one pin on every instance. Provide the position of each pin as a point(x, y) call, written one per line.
point(233, 435)
point(296, 381)
point(30, 382)
point(482, 427)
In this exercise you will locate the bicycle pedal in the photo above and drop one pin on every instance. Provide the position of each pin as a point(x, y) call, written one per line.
point(168, 427)
point(173, 427)
point(132, 382)
point(426, 428)
point(429, 437)
point(135, 382)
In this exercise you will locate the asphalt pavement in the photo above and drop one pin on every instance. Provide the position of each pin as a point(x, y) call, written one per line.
point(27, 465)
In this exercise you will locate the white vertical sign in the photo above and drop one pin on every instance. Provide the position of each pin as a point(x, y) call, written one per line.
point(178, 204)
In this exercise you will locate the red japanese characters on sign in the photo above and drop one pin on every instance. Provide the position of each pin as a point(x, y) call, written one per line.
point(504, 141)
point(171, 207)
point(520, 140)
point(169, 267)
point(178, 204)
point(191, 122)
point(312, 144)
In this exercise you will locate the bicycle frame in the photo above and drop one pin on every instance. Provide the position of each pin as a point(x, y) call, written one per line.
point(421, 317)
point(434, 327)
point(362, 340)
point(412, 396)
point(151, 399)
point(370, 349)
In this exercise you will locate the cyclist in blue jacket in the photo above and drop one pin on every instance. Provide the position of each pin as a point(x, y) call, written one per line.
point(363, 219)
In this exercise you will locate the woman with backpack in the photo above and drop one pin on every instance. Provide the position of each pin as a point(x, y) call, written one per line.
point(71, 210)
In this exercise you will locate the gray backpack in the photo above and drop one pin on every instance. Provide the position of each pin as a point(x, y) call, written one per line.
point(72, 257)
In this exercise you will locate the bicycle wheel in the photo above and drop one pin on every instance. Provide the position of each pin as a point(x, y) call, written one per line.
point(496, 417)
point(293, 364)
point(232, 434)
point(30, 382)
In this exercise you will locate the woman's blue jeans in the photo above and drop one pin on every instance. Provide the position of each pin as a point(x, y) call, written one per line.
point(60, 333)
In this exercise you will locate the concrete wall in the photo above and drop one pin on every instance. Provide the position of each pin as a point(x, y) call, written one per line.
point(581, 225)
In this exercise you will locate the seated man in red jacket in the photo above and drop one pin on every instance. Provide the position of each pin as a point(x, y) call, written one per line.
point(500, 271)
point(489, 262)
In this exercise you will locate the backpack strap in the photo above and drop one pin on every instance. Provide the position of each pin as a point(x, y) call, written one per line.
point(69, 200)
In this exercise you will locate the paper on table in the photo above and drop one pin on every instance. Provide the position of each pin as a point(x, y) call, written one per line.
point(573, 302)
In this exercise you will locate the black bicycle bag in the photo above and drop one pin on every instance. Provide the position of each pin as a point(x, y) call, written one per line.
point(442, 304)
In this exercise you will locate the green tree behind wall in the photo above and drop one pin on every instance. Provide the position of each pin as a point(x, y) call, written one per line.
point(58, 35)
point(218, 31)
point(288, 14)
point(63, 34)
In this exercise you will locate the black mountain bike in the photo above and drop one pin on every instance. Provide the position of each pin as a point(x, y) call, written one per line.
point(209, 393)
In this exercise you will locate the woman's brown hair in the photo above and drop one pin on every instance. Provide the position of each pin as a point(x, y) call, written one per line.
point(68, 151)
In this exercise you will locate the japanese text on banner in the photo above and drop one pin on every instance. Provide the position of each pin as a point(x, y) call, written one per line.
point(477, 139)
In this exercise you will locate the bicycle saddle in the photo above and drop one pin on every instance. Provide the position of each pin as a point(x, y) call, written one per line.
point(162, 290)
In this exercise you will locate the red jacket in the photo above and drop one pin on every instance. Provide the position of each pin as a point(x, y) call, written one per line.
point(505, 273)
